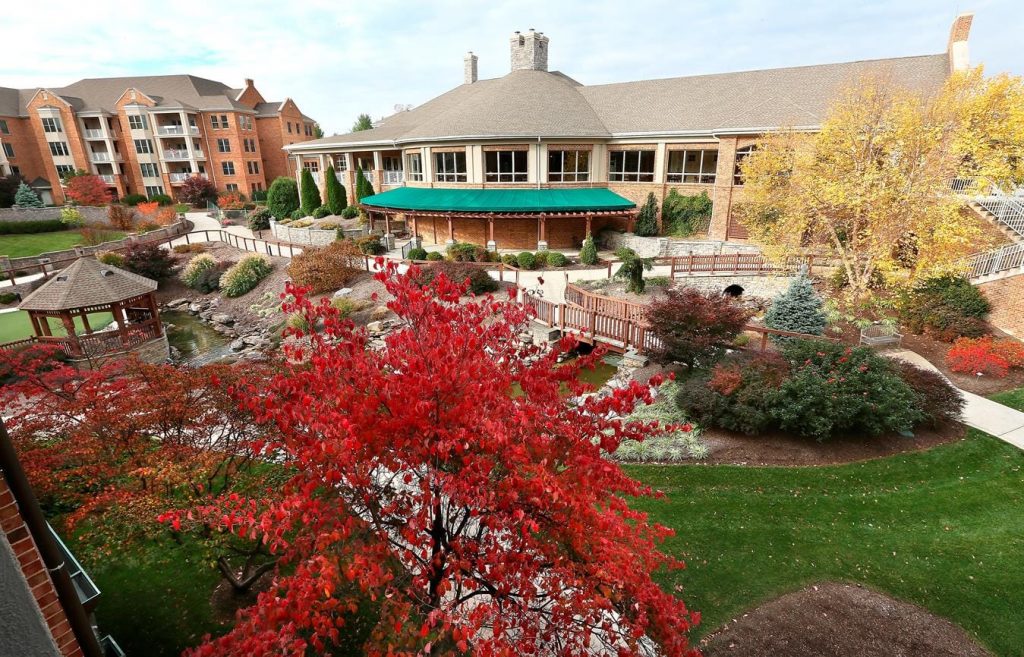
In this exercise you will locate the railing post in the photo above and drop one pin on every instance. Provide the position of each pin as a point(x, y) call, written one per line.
point(764, 340)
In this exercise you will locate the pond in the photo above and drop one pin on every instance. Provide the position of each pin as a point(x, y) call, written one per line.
point(603, 370)
point(195, 340)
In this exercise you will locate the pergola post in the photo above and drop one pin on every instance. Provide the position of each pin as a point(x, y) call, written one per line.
point(69, 329)
point(542, 229)
point(389, 237)
point(590, 219)
point(85, 322)
point(491, 244)
point(117, 310)
point(451, 230)
point(415, 229)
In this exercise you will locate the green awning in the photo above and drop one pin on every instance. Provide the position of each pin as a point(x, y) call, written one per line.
point(500, 200)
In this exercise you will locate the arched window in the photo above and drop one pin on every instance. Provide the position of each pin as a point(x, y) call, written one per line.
point(741, 154)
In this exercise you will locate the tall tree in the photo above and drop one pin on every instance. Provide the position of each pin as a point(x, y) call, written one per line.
point(478, 522)
point(337, 199)
point(318, 132)
point(647, 218)
point(363, 122)
point(872, 187)
point(283, 197)
point(364, 187)
point(26, 197)
point(310, 193)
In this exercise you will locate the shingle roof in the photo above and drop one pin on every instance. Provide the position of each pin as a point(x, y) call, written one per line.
point(87, 282)
point(527, 103)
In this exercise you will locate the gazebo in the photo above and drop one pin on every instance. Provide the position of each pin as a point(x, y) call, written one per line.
point(89, 286)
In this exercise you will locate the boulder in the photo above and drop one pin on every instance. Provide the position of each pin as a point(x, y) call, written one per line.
point(195, 307)
point(177, 303)
point(222, 318)
point(343, 291)
point(238, 345)
point(375, 328)
point(379, 313)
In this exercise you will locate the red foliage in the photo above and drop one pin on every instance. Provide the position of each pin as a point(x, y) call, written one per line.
point(726, 379)
point(692, 326)
point(230, 201)
point(147, 209)
point(478, 521)
point(152, 213)
point(985, 356)
point(88, 190)
point(197, 190)
point(121, 218)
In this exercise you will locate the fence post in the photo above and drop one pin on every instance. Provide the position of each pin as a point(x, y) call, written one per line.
point(810, 264)
point(764, 340)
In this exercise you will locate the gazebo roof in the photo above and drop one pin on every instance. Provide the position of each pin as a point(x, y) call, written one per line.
point(87, 282)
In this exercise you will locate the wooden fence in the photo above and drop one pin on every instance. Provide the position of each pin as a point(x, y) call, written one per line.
point(731, 264)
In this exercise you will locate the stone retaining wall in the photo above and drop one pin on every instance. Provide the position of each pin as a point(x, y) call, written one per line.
point(91, 215)
point(310, 236)
point(762, 287)
point(652, 247)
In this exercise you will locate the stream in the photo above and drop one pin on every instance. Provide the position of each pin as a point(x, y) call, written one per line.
point(194, 339)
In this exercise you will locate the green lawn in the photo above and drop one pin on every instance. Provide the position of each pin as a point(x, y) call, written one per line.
point(17, 246)
point(16, 325)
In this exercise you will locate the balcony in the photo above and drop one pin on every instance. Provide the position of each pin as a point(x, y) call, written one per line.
point(176, 130)
point(178, 155)
point(178, 178)
point(394, 177)
point(93, 134)
point(102, 156)
point(108, 178)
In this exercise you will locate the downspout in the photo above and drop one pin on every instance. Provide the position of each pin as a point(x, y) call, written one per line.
point(28, 505)
point(538, 161)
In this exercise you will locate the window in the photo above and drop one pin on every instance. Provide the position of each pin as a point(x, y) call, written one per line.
point(223, 120)
point(231, 187)
point(8, 150)
point(59, 148)
point(568, 166)
point(341, 163)
point(64, 169)
point(214, 121)
point(415, 167)
point(505, 166)
point(312, 165)
point(4, 130)
point(143, 146)
point(254, 168)
point(245, 121)
point(256, 187)
point(741, 154)
point(450, 167)
point(631, 166)
point(148, 170)
point(289, 127)
point(249, 144)
point(153, 190)
point(223, 146)
point(692, 166)
point(228, 168)
point(16, 171)
point(51, 125)
point(136, 122)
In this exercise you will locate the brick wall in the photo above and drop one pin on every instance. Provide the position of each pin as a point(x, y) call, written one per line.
point(561, 232)
point(1007, 298)
point(26, 149)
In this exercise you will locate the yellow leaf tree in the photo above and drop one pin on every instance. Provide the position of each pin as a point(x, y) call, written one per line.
point(873, 186)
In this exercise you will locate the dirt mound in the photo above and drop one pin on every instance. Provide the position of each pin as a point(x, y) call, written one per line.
point(840, 620)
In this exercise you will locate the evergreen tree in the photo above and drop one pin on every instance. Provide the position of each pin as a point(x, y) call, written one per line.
point(337, 199)
point(363, 186)
point(588, 254)
point(25, 197)
point(318, 132)
point(798, 309)
point(647, 220)
point(632, 269)
point(363, 122)
point(310, 193)
point(283, 197)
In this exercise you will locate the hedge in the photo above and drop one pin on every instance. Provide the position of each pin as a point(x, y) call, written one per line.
point(34, 226)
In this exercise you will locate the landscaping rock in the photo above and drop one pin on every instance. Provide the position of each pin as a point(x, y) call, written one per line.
point(379, 313)
point(222, 318)
point(195, 307)
point(177, 303)
point(237, 345)
point(343, 291)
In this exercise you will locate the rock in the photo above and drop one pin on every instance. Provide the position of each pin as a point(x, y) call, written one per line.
point(222, 318)
point(379, 313)
point(206, 315)
point(343, 291)
point(195, 307)
point(238, 344)
point(255, 340)
point(177, 303)
point(375, 328)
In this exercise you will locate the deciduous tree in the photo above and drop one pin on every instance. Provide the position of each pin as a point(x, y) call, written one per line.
point(693, 327)
point(88, 189)
point(197, 190)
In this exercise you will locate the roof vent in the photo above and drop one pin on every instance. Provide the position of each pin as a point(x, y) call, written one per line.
point(106, 272)
point(62, 278)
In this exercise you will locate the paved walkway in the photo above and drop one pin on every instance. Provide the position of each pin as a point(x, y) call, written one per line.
point(991, 417)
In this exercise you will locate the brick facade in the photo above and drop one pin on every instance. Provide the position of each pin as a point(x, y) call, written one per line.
point(1007, 298)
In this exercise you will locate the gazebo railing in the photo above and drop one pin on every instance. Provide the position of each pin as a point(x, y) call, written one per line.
point(96, 344)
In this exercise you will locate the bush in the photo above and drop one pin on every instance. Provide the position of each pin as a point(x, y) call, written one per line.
point(588, 254)
point(327, 268)
point(351, 212)
point(371, 245)
point(120, 217)
point(244, 275)
point(945, 307)
point(149, 260)
point(526, 260)
point(309, 193)
point(466, 252)
point(798, 309)
point(985, 356)
point(161, 199)
point(434, 256)
point(364, 187)
point(556, 259)
point(328, 225)
point(259, 219)
point(683, 216)
point(188, 248)
point(197, 190)
point(692, 327)
point(540, 259)
point(297, 214)
point(203, 273)
point(736, 396)
point(26, 197)
point(283, 197)
point(632, 269)
point(346, 306)
point(34, 226)
point(659, 281)
point(230, 200)
point(7, 297)
point(480, 281)
point(297, 322)
point(182, 208)
point(336, 199)
point(417, 254)
point(321, 212)
point(259, 196)
point(92, 236)
point(112, 258)
point(510, 259)
point(647, 218)
point(132, 200)
point(939, 401)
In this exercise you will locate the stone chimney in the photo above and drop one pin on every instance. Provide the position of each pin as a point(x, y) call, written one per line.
point(529, 51)
point(469, 75)
point(957, 46)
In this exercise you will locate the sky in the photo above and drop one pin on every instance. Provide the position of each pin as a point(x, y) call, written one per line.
point(338, 58)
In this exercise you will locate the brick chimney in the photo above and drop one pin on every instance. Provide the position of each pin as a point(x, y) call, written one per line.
point(956, 48)
point(469, 68)
point(529, 51)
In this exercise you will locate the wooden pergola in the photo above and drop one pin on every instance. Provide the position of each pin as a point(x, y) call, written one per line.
point(87, 287)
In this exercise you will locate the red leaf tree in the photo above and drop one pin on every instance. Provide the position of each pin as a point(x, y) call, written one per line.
point(197, 190)
point(88, 190)
point(469, 519)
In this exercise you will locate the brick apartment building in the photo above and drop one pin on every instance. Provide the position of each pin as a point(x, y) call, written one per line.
point(538, 130)
point(147, 135)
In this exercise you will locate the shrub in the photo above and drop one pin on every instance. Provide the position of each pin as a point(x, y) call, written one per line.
point(659, 281)
point(188, 248)
point(27, 227)
point(632, 269)
point(647, 218)
point(985, 356)
point(230, 200)
point(417, 254)
point(526, 260)
point(588, 254)
point(479, 280)
point(336, 200)
point(88, 190)
point(149, 260)
point(540, 259)
point(8, 297)
point(736, 396)
point(259, 219)
point(434, 256)
point(197, 190)
point(195, 267)
point(8, 188)
point(244, 275)
point(71, 217)
point(798, 309)
point(328, 225)
point(120, 217)
point(283, 197)
point(557, 259)
point(510, 259)
point(346, 305)
point(327, 268)
point(259, 196)
point(26, 197)
point(112, 258)
point(466, 252)
point(363, 186)
point(321, 212)
point(299, 214)
point(91, 236)
point(132, 200)
point(351, 212)
point(147, 209)
point(297, 322)
point(371, 245)
point(692, 327)
point(182, 208)
point(662, 445)
point(683, 216)
point(147, 226)
point(945, 307)
point(309, 194)
point(939, 401)
point(162, 199)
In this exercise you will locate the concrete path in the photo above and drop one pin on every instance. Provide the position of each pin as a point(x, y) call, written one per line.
point(984, 414)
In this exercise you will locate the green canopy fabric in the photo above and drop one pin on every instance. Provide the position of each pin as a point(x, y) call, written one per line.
point(500, 200)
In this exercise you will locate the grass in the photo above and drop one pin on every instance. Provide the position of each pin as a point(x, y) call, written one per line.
point(17, 246)
point(16, 325)
point(942, 528)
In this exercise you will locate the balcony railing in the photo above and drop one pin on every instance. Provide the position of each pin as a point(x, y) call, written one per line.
point(176, 130)
point(107, 178)
point(180, 177)
point(394, 177)
point(99, 156)
point(93, 134)
point(182, 154)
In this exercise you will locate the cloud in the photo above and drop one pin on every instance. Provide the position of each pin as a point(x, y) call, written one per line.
point(337, 59)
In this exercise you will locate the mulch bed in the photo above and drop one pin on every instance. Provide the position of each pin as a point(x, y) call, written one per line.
point(840, 620)
point(935, 352)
